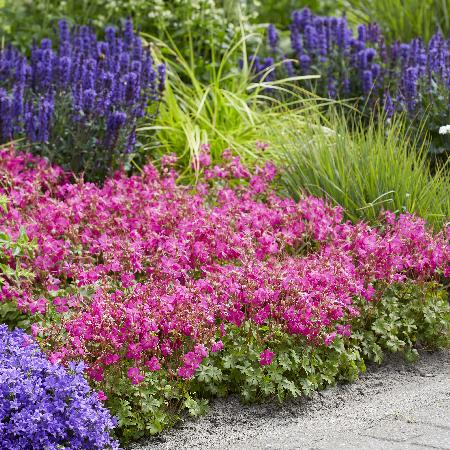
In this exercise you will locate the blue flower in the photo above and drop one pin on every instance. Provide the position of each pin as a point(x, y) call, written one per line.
point(272, 37)
point(364, 65)
point(86, 75)
point(43, 405)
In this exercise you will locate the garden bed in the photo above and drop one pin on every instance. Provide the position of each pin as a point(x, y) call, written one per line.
point(178, 224)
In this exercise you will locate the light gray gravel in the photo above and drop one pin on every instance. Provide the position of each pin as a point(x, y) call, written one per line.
point(393, 406)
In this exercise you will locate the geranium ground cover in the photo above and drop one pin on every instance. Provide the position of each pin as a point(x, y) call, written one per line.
point(147, 281)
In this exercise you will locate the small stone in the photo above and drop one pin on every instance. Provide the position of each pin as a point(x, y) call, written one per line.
point(426, 374)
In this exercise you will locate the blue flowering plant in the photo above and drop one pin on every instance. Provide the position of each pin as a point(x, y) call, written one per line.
point(79, 105)
point(413, 78)
point(45, 406)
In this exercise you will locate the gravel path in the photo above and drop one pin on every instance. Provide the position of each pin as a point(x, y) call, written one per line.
point(393, 406)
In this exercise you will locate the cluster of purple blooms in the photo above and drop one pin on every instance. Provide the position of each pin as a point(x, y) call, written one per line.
point(413, 77)
point(43, 405)
point(99, 87)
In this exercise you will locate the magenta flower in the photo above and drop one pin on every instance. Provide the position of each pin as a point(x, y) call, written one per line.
point(96, 373)
point(266, 357)
point(171, 267)
point(344, 330)
point(101, 396)
point(329, 338)
point(55, 357)
point(153, 364)
point(135, 375)
point(216, 347)
point(39, 306)
point(205, 155)
point(34, 329)
point(111, 359)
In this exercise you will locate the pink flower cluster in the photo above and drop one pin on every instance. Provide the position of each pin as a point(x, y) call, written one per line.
point(266, 357)
point(169, 265)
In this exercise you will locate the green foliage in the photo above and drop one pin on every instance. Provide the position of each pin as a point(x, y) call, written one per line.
point(298, 368)
point(402, 20)
point(279, 12)
point(14, 249)
point(11, 316)
point(145, 409)
point(406, 315)
point(365, 168)
point(228, 111)
point(203, 22)
point(23, 20)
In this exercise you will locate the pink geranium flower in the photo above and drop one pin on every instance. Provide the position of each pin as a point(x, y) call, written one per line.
point(157, 271)
point(101, 396)
point(266, 357)
point(135, 375)
point(153, 364)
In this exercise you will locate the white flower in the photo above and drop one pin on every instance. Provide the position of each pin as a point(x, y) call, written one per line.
point(444, 130)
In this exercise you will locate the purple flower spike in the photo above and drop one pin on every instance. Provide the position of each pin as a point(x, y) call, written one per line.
point(128, 34)
point(161, 78)
point(367, 82)
point(272, 37)
point(416, 74)
point(388, 106)
point(87, 76)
